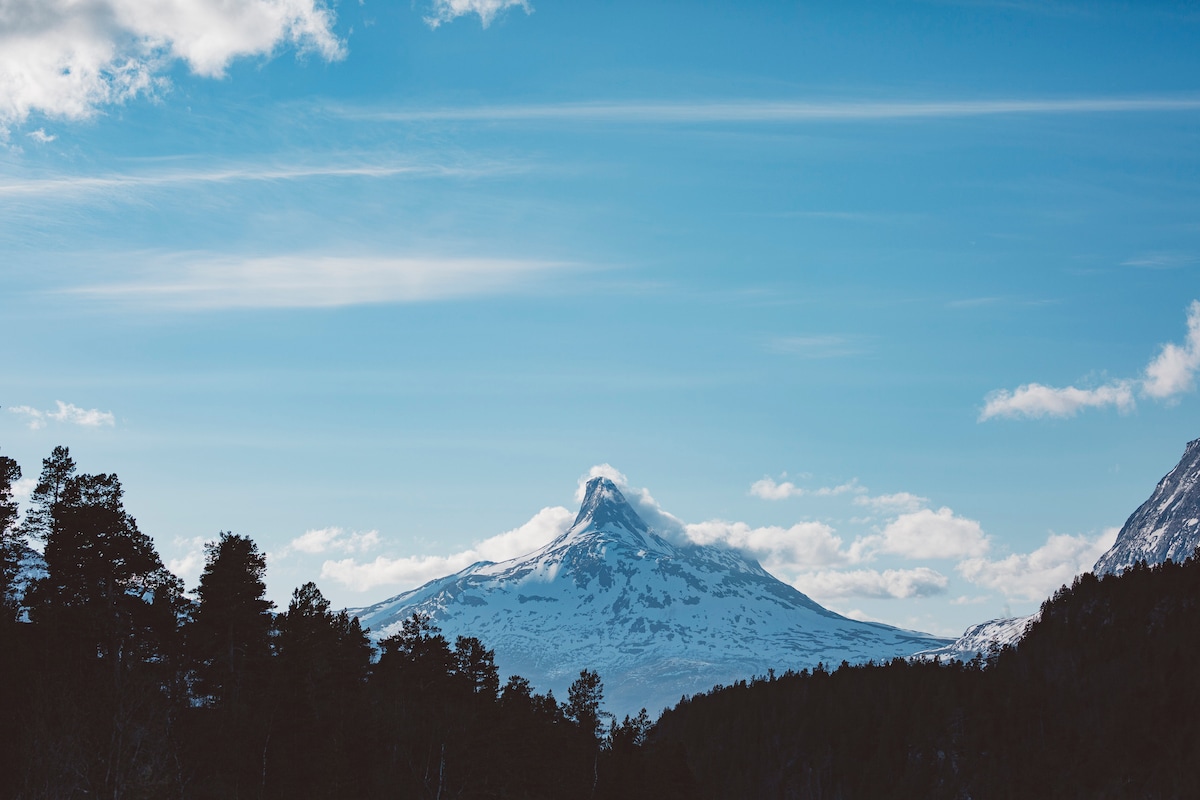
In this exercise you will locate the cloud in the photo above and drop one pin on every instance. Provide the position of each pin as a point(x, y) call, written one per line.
point(889, 584)
point(67, 58)
point(1035, 576)
point(233, 173)
point(449, 10)
point(1160, 261)
point(768, 489)
point(1173, 370)
point(926, 534)
point(322, 540)
point(188, 566)
point(798, 547)
point(781, 111)
point(1170, 374)
point(412, 571)
point(68, 413)
point(663, 523)
point(815, 346)
point(41, 136)
point(306, 281)
point(1035, 400)
point(892, 503)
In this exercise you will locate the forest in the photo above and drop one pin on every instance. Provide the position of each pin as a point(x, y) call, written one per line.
point(116, 681)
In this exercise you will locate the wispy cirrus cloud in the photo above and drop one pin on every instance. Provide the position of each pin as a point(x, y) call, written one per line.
point(1169, 375)
point(779, 111)
point(66, 185)
point(205, 282)
point(67, 413)
point(821, 346)
point(69, 58)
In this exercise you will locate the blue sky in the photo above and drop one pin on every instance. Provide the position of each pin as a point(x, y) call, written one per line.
point(896, 296)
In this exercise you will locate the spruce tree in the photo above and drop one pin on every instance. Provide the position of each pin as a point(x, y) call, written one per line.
point(229, 637)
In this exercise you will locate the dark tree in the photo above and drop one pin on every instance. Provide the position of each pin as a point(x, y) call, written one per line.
point(584, 697)
point(230, 634)
point(57, 470)
point(105, 587)
point(11, 545)
point(476, 666)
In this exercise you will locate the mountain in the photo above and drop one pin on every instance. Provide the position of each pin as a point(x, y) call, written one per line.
point(1167, 526)
point(983, 638)
point(656, 619)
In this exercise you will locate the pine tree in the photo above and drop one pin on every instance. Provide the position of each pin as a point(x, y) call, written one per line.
point(584, 697)
point(106, 587)
point(230, 634)
point(57, 470)
point(11, 548)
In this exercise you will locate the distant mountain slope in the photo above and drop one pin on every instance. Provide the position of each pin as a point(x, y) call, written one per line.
point(655, 619)
point(1167, 526)
point(983, 638)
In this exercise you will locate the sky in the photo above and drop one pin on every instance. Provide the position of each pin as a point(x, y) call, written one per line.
point(899, 298)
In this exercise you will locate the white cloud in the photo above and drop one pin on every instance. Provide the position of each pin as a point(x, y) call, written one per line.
point(1173, 370)
point(768, 489)
point(189, 565)
point(67, 58)
point(41, 136)
point(1035, 400)
point(411, 571)
point(305, 281)
point(926, 534)
point(449, 10)
point(799, 547)
point(1170, 374)
point(68, 413)
point(23, 488)
point(891, 583)
point(893, 503)
point(1035, 576)
point(323, 540)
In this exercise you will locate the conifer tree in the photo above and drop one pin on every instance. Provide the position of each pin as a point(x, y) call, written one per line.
point(229, 636)
point(10, 541)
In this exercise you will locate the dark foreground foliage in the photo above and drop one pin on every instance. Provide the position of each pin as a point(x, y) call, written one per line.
point(114, 684)
point(1101, 700)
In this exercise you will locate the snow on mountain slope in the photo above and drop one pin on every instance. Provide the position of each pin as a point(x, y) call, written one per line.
point(1165, 526)
point(657, 620)
point(983, 638)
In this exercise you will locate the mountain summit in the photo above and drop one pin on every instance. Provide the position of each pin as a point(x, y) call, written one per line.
point(1165, 526)
point(656, 619)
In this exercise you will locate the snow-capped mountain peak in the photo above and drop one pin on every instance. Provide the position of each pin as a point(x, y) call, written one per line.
point(656, 619)
point(1167, 526)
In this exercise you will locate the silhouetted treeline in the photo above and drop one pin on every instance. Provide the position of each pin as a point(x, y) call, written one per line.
point(114, 684)
point(1100, 700)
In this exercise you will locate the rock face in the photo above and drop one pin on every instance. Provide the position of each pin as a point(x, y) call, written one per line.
point(1167, 526)
point(657, 620)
